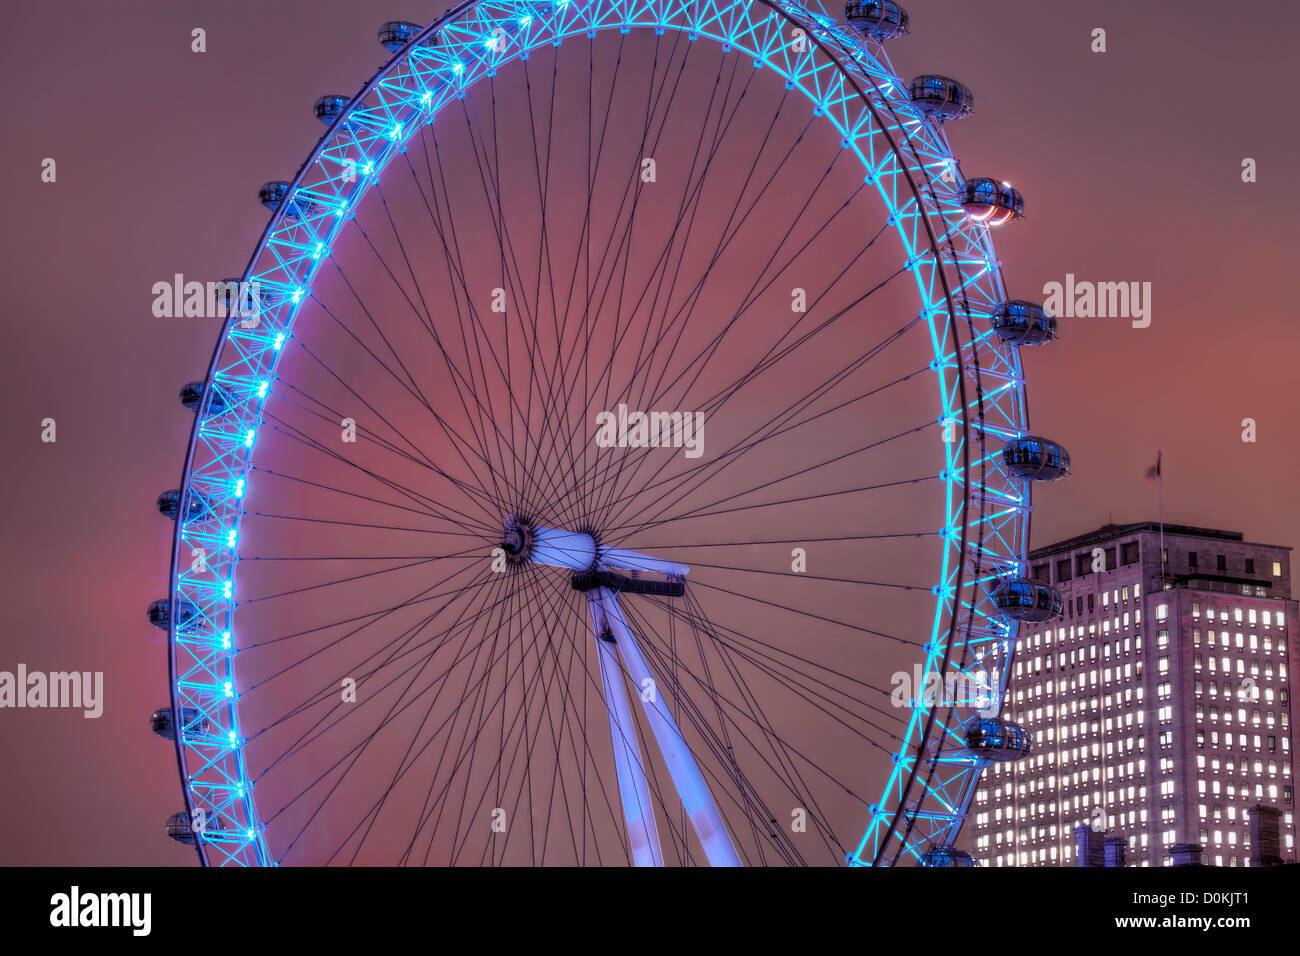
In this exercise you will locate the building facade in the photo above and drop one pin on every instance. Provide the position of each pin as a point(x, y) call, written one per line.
point(1158, 704)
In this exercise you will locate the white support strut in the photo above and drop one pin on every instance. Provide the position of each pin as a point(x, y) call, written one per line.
point(582, 554)
point(687, 778)
point(634, 792)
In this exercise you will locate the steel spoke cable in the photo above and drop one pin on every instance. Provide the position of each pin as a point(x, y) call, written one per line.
point(699, 513)
point(715, 344)
point(769, 658)
point(727, 394)
point(402, 765)
point(397, 649)
point(463, 523)
point(691, 200)
point(355, 755)
point(709, 735)
point(635, 184)
point(428, 316)
point(655, 647)
point(514, 280)
point(415, 392)
point(304, 349)
point(469, 524)
point(789, 771)
point(556, 734)
point(779, 421)
point(801, 472)
point(428, 501)
point(454, 248)
point(466, 626)
point(457, 377)
point(685, 311)
point(639, 741)
point(337, 581)
point(529, 691)
point(698, 474)
point(617, 337)
point(681, 319)
point(329, 693)
point(421, 597)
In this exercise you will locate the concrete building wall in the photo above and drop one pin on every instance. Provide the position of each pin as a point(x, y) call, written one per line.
point(1128, 733)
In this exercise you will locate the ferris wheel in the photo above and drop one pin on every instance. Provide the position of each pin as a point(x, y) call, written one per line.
point(616, 452)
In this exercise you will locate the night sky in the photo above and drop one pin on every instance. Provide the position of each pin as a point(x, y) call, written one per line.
point(1130, 162)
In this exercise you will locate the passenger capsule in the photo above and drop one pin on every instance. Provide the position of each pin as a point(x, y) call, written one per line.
point(169, 504)
point(258, 298)
point(329, 108)
point(228, 292)
point(1029, 601)
point(991, 202)
point(161, 723)
point(998, 740)
point(192, 398)
point(944, 855)
point(877, 19)
point(940, 98)
point(272, 194)
point(179, 829)
point(254, 298)
point(160, 614)
point(1038, 459)
point(395, 34)
point(1024, 323)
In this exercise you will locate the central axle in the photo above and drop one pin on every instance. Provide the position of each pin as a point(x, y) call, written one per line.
point(593, 565)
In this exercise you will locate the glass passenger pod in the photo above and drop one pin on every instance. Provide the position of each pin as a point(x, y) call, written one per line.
point(1038, 459)
point(179, 829)
point(1031, 601)
point(877, 19)
point(161, 723)
point(1024, 323)
point(330, 107)
point(160, 614)
point(991, 202)
point(192, 397)
point(944, 855)
point(395, 34)
point(272, 194)
point(230, 291)
point(997, 740)
point(169, 504)
point(940, 98)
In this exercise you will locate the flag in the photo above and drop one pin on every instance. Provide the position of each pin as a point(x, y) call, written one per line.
point(1154, 470)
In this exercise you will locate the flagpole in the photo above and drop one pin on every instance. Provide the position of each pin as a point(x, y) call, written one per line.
point(1160, 486)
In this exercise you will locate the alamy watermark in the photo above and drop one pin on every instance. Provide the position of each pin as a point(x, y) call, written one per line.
point(63, 689)
point(207, 300)
point(953, 689)
point(1102, 300)
point(624, 429)
point(75, 908)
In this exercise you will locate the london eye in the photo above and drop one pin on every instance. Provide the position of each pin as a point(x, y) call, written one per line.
point(619, 426)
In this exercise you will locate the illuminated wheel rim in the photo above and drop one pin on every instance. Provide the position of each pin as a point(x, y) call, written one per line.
point(977, 521)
